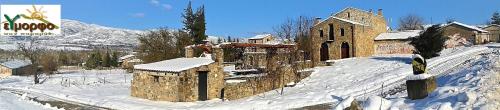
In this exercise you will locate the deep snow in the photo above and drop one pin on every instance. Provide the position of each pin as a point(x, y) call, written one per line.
point(360, 77)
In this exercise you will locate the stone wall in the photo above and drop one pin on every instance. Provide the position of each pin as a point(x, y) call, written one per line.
point(254, 60)
point(177, 87)
point(469, 34)
point(393, 47)
point(4, 71)
point(359, 37)
point(494, 33)
point(257, 85)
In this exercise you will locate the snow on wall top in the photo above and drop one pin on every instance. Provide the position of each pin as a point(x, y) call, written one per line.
point(467, 26)
point(259, 36)
point(126, 56)
point(175, 65)
point(398, 35)
point(13, 64)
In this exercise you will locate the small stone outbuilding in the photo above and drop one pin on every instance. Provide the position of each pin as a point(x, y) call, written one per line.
point(494, 32)
point(472, 34)
point(16, 67)
point(395, 42)
point(180, 80)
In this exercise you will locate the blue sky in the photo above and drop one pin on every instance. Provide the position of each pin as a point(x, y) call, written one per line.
point(244, 18)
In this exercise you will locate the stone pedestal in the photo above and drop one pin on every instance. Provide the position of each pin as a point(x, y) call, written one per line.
point(420, 88)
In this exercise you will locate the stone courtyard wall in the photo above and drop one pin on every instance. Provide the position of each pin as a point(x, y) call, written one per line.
point(257, 85)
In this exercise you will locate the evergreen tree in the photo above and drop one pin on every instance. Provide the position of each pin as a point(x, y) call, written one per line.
point(199, 23)
point(229, 39)
point(219, 40)
point(430, 42)
point(194, 23)
point(91, 62)
point(237, 40)
point(114, 59)
point(106, 60)
point(495, 19)
point(189, 18)
point(98, 58)
point(63, 58)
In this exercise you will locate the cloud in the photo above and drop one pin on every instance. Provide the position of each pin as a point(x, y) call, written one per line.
point(138, 15)
point(155, 2)
point(164, 6)
point(167, 6)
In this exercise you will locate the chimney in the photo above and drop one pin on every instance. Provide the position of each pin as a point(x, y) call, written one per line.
point(317, 20)
point(379, 12)
point(189, 52)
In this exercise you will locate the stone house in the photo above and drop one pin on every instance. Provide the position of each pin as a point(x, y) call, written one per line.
point(348, 33)
point(15, 67)
point(471, 34)
point(261, 39)
point(494, 32)
point(395, 42)
point(180, 80)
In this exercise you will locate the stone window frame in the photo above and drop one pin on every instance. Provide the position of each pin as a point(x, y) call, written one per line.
point(156, 79)
point(321, 34)
point(342, 32)
point(331, 32)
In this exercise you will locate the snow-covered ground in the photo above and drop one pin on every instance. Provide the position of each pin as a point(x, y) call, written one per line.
point(358, 77)
point(10, 101)
point(471, 85)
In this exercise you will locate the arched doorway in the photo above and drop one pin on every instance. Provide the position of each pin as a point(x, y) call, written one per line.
point(344, 51)
point(324, 52)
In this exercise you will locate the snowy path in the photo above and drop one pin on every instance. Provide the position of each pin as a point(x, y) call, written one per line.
point(10, 101)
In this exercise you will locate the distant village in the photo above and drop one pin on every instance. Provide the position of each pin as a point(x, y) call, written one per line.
point(265, 62)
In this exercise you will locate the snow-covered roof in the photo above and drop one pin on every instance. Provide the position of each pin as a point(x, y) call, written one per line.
point(341, 19)
point(13, 64)
point(398, 35)
point(175, 65)
point(491, 25)
point(126, 56)
point(262, 36)
point(466, 26)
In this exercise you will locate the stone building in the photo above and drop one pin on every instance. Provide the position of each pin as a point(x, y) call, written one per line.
point(494, 32)
point(471, 34)
point(181, 79)
point(255, 57)
point(395, 42)
point(348, 33)
point(15, 67)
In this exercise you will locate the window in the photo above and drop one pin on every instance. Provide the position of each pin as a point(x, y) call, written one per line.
point(331, 34)
point(341, 31)
point(348, 15)
point(320, 33)
point(156, 79)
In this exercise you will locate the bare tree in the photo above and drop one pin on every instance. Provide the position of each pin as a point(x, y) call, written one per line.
point(285, 30)
point(31, 51)
point(48, 63)
point(411, 22)
point(298, 29)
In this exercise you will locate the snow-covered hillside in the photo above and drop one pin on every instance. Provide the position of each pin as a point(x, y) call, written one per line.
point(80, 35)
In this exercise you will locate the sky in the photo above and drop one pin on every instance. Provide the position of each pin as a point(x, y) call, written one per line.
point(246, 18)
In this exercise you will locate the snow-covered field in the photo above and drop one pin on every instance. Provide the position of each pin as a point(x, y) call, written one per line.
point(357, 77)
